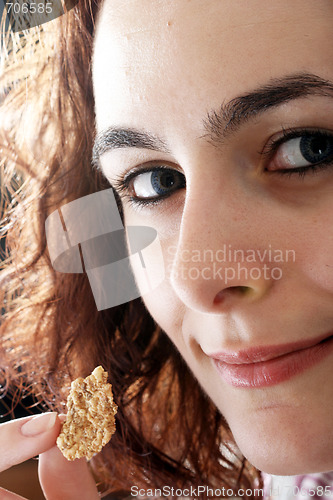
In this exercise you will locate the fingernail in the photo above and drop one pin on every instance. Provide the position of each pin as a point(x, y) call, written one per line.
point(39, 424)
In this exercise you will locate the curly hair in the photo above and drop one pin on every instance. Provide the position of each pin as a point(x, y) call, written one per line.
point(168, 431)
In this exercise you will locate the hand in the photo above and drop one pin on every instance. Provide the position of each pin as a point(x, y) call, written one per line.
point(60, 479)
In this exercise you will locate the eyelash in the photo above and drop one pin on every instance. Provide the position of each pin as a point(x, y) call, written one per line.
point(271, 148)
point(122, 183)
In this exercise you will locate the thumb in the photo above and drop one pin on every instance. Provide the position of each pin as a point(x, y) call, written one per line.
point(64, 480)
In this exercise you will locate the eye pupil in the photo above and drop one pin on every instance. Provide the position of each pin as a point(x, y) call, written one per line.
point(315, 148)
point(167, 180)
point(319, 145)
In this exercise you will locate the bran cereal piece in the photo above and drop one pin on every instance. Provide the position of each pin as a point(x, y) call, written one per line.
point(90, 420)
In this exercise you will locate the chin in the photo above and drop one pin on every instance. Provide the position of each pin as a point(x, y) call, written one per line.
point(286, 454)
point(287, 469)
point(282, 467)
point(288, 464)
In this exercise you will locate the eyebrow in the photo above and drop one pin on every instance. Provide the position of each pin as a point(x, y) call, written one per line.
point(233, 114)
point(116, 138)
point(228, 119)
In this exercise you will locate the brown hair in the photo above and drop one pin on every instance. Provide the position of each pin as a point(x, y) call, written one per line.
point(168, 431)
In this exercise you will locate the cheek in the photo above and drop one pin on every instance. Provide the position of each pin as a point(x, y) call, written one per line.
point(165, 310)
point(151, 268)
point(146, 258)
point(315, 253)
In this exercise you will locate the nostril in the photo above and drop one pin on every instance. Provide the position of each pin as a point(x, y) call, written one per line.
point(243, 289)
point(231, 290)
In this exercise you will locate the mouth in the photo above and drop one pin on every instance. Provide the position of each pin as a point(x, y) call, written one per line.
point(265, 366)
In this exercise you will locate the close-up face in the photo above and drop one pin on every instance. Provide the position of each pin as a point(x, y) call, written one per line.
point(215, 127)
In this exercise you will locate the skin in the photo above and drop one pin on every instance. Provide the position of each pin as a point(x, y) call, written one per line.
point(158, 68)
point(76, 481)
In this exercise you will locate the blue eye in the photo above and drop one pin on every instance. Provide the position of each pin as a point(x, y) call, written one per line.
point(155, 183)
point(301, 152)
point(316, 149)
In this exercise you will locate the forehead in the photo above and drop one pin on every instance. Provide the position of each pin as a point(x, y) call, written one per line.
point(198, 53)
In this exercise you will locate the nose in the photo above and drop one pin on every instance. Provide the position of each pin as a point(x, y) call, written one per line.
point(222, 255)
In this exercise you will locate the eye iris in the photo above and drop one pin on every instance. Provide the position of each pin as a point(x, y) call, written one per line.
point(162, 182)
point(315, 148)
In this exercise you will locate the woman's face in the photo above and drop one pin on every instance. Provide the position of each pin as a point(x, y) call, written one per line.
point(235, 173)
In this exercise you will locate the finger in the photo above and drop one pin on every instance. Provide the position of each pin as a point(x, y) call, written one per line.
point(25, 438)
point(76, 481)
point(7, 495)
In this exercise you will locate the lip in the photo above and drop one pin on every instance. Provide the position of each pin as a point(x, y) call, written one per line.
point(265, 366)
